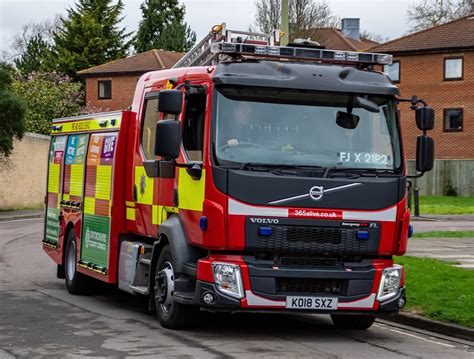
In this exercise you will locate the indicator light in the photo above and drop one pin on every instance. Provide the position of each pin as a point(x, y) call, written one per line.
point(362, 234)
point(265, 231)
point(203, 223)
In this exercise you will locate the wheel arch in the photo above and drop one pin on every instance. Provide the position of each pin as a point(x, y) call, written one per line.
point(171, 232)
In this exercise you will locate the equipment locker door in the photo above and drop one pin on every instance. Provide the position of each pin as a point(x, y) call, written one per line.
point(72, 197)
point(54, 189)
point(98, 201)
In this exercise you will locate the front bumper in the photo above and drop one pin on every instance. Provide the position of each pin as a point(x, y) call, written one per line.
point(358, 294)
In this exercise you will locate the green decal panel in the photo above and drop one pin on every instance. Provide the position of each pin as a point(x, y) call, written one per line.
point(52, 225)
point(95, 240)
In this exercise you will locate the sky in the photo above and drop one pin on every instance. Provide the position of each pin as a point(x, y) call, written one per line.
point(384, 17)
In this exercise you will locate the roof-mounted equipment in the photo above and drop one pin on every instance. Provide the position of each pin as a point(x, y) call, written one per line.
point(221, 44)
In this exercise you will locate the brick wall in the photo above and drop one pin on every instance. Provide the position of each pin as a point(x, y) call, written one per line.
point(123, 88)
point(422, 75)
point(23, 174)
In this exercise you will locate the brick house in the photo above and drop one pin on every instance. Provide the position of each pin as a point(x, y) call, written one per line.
point(437, 64)
point(111, 86)
point(347, 38)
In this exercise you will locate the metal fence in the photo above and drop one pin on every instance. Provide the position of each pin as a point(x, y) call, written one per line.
point(457, 174)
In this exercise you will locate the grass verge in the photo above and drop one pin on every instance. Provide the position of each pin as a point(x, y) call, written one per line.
point(446, 205)
point(438, 290)
point(445, 234)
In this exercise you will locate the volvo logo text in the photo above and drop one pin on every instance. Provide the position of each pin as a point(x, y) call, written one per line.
point(265, 220)
point(316, 193)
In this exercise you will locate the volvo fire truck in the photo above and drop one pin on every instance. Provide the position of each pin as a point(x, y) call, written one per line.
point(249, 177)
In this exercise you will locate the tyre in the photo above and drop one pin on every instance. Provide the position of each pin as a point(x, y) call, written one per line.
point(354, 322)
point(76, 282)
point(172, 315)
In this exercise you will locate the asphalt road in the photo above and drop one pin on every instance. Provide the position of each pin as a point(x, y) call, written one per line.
point(38, 318)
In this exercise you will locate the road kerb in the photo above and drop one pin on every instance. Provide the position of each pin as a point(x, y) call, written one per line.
point(14, 218)
point(417, 321)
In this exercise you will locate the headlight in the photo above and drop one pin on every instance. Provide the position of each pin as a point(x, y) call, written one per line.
point(390, 282)
point(228, 279)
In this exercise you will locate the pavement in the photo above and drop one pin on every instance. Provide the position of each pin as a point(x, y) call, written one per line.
point(443, 223)
point(21, 214)
point(39, 318)
point(458, 250)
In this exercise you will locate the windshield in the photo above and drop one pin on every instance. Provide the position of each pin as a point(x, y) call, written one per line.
point(299, 128)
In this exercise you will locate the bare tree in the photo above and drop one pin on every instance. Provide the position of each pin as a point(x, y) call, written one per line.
point(429, 13)
point(365, 34)
point(304, 14)
point(43, 29)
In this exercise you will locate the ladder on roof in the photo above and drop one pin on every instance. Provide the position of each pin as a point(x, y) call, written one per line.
point(222, 44)
point(202, 54)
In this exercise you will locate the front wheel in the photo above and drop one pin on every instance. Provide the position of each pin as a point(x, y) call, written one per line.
point(354, 322)
point(172, 315)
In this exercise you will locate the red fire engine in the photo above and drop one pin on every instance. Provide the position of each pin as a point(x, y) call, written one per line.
point(250, 177)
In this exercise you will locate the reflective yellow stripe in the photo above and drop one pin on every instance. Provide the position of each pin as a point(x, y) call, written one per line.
point(66, 197)
point(53, 178)
point(131, 214)
point(172, 209)
point(103, 182)
point(144, 186)
point(89, 205)
point(190, 191)
point(103, 123)
point(130, 204)
point(156, 214)
point(77, 176)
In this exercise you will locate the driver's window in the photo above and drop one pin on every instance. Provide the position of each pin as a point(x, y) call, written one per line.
point(193, 126)
point(151, 116)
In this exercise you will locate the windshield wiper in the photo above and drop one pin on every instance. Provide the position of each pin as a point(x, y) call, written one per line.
point(358, 172)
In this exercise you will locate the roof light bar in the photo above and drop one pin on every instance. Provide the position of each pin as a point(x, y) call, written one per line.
point(232, 48)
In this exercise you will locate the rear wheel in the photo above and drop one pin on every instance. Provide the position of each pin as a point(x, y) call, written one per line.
point(354, 322)
point(75, 282)
point(171, 314)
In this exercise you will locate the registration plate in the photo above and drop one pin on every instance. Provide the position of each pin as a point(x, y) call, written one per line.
point(320, 303)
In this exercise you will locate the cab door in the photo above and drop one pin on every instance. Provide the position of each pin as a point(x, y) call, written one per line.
point(148, 205)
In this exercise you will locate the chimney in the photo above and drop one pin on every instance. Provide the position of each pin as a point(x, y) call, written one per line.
point(350, 27)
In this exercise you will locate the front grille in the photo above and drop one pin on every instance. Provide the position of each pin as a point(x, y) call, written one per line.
point(317, 234)
point(308, 261)
point(310, 285)
point(311, 238)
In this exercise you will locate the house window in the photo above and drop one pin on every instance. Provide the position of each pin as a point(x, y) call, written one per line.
point(105, 90)
point(453, 68)
point(393, 71)
point(453, 119)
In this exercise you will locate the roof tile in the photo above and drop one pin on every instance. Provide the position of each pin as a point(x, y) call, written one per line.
point(140, 63)
point(332, 38)
point(457, 34)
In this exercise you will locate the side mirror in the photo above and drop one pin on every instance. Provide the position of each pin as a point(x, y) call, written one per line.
point(168, 138)
point(170, 101)
point(347, 120)
point(424, 153)
point(425, 117)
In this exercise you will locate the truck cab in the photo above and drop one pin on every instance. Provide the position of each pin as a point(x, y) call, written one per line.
point(272, 182)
